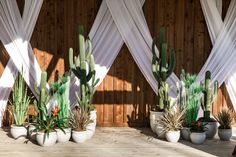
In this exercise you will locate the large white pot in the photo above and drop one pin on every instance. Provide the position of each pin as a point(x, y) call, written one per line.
point(92, 126)
point(211, 129)
point(185, 133)
point(79, 136)
point(31, 134)
point(18, 131)
point(198, 137)
point(49, 140)
point(63, 137)
point(225, 134)
point(154, 117)
point(172, 136)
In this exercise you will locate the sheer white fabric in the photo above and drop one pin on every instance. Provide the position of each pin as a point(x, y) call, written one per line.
point(15, 33)
point(222, 31)
point(118, 22)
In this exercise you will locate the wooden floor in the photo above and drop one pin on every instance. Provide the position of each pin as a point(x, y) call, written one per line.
point(117, 142)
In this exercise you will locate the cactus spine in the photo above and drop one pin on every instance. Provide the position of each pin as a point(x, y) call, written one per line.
point(84, 69)
point(162, 69)
point(209, 95)
point(43, 97)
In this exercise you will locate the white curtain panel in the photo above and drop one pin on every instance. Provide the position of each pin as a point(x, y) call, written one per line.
point(215, 25)
point(15, 34)
point(119, 22)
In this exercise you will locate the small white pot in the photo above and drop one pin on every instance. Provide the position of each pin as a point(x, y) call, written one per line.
point(79, 136)
point(198, 137)
point(154, 117)
point(63, 137)
point(185, 133)
point(18, 131)
point(225, 134)
point(172, 136)
point(31, 134)
point(92, 126)
point(49, 140)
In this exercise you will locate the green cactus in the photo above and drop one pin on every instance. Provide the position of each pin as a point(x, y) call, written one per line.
point(209, 96)
point(188, 97)
point(44, 97)
point(60, 88)
point(84, 69)
point(162, 69)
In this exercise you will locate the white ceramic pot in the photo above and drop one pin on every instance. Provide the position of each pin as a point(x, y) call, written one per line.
point(63, 137)
point(225, 134)
point(160, 132)
point(172, 136)
point(211, 129)
point(18, 131)
point(31, 134)
point(79, 136)
point(154, 117)
point(92, 126)
point(185, 133)
point(49, 140)
point(198, 137)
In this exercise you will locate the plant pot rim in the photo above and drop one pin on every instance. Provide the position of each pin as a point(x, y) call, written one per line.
point(76, 131)
point(173, 131)
point(40, 132)
point(17, 126)
point(198, 132)
point(224, 129)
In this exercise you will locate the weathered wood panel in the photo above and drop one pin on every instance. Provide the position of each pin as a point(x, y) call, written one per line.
point(123, 97)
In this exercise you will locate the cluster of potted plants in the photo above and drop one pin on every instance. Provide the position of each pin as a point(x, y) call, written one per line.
point(55, 120)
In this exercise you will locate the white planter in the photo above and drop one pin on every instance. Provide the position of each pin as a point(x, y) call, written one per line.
point(63, 137)
point(49, 140)
point(154, 117)
point(211, 129)
point(225, 134)
point(31, 134)
point(185, 133)
point(198, 137)
point(18, 131)
point(92, 126)
point(79, 136)
point(172, 136)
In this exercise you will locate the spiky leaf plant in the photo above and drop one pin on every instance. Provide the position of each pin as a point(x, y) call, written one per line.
point(20, 101)
point(225, 119)
point(172, 119)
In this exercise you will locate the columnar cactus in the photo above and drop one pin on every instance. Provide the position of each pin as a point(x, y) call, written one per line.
point(162, 69)
point(84, 69)
point(43, 97)
point(209, 95)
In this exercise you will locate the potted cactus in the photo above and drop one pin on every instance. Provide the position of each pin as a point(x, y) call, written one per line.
point(198, 132)
point(225, 119)
point(171, 121)
point(161, 69)
point(188, 97)
point(206, 102)
point(83, 68)
point(20, 103)
point(60, 89)
point(46, 121)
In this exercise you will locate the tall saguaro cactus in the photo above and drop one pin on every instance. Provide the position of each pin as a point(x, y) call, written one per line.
point(209, 95)
point(162, 68)
point(83, 68)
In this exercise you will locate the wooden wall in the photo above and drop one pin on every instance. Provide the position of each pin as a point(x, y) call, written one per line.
point(124, 95)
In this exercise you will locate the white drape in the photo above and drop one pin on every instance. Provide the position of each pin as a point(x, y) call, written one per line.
point(219, 32)
point(118, 22)
point(15, 33)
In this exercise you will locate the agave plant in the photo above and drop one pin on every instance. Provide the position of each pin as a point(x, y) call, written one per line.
point(20, 101)
point(172, 119)
point(225, 119)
